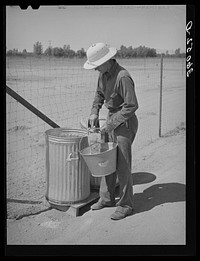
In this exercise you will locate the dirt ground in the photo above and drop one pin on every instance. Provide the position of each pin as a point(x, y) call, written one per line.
point(159, 216)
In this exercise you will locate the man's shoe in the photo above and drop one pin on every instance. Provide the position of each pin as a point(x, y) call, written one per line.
point(101, 204)
point(121, 212)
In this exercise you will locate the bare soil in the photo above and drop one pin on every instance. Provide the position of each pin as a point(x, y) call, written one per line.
point(158, 219)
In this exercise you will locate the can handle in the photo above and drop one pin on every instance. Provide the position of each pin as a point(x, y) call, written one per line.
point(103, 164)
point(70, 158)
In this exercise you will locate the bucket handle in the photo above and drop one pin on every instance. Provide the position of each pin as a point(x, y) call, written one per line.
point(103, 164)
point(69, 158)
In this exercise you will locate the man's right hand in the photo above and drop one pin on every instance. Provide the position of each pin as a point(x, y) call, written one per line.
point(92, 121)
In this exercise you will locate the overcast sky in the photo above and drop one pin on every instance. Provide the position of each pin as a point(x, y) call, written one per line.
point(161, 27)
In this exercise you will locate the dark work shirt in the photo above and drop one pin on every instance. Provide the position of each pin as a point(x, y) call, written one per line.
point(116, 90)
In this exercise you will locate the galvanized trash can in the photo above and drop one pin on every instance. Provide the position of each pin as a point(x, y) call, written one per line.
point(67, 175)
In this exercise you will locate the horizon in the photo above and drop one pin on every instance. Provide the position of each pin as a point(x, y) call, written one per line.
point(159, 27)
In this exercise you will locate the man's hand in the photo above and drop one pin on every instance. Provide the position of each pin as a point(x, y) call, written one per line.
point(105, 129)
point(92, 120)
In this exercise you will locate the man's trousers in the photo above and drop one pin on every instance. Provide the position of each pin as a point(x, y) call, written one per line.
point(124, 135)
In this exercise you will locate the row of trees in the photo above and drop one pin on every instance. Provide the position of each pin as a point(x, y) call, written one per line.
point(140, 51)
point(66, 51)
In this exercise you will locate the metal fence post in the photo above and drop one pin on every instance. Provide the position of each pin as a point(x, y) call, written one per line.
point(160, 104)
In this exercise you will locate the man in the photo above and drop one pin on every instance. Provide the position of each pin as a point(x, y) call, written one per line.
point(116, 90)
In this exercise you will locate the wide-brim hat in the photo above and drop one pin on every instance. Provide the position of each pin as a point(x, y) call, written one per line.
point(97, 54)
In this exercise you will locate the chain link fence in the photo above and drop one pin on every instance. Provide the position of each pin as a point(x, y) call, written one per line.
point(63, 91)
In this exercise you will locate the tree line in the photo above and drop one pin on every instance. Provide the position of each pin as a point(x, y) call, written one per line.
point(66, 51)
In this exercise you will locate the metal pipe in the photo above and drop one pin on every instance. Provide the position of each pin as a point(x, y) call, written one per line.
point(30, 107)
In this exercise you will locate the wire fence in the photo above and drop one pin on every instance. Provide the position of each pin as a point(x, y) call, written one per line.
point(61, 89)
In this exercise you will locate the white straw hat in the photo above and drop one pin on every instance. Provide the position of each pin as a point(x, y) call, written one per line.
point(98, 54)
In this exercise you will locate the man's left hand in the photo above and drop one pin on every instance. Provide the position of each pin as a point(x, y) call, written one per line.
point(106, 129)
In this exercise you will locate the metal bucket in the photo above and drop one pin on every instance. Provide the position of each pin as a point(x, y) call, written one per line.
point(67, 175)
point(103, 163)
point(94, 181)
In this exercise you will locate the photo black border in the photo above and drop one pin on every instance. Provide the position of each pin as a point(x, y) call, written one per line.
point(118, 250)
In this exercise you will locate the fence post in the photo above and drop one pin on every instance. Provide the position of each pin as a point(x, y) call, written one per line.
point(160, 104)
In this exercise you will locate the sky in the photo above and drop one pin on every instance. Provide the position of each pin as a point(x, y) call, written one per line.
point(155, 26)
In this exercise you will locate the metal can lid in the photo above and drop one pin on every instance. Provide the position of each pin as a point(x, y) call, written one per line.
point(65, 133)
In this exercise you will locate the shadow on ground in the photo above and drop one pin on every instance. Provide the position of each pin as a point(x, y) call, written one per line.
point(138, 178)
point(155, 195)
point(151, 197)
point(158, 194)
point(142, 177)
